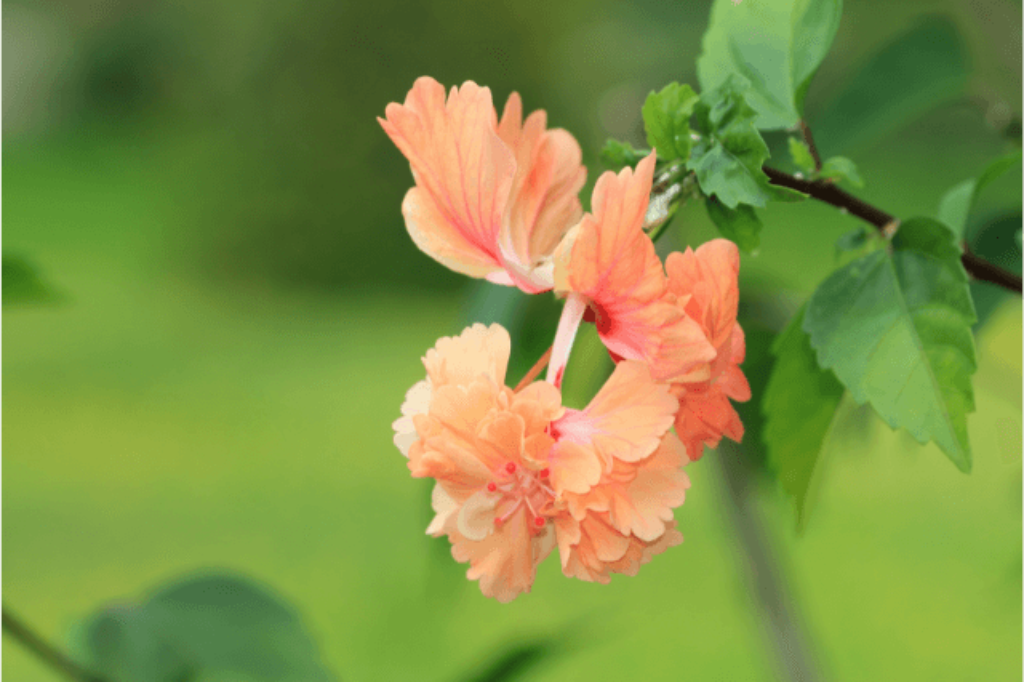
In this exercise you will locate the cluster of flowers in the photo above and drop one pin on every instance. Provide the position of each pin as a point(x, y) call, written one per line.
point(516, 472)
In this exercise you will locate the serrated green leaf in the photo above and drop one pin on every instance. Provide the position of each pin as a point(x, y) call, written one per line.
point(800, 405)
point(895, 327)
point(740, 224)
point(616, 154)
point(909, 76)
point(728, 158)
point(667, 120)
point(801, 155)
point(776, 45)
point(216, 625)
point(22, 283)
point(957, 203)
point(841, 168)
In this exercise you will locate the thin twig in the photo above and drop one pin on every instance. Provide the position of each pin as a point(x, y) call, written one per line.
point(535, 371)
point(830, 194)
point(57, 660)
point(805, 130)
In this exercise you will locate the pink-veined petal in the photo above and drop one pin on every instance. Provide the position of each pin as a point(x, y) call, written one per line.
point(463, 173)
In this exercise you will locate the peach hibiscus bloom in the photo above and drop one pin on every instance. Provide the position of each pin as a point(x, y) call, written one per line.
point(492, 198)
point(706, 284)
point(609, 270)
point(517, 473)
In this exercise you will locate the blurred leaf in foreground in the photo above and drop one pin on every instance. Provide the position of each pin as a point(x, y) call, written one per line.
point(22, 283)
point(895, 327)
point(515, 661)
point(204, 627)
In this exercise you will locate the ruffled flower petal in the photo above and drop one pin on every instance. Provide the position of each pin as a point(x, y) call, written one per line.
point(492, 200)
point(610, 260)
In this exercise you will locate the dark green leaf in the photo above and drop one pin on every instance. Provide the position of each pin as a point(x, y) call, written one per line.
point(204, 626)
point(729, 156)
point(739, 224)
point(776, 45)
point(997, 240)
point(23, 284)
point(800, 406)
point(667, 120)
point(911, 75)
point(895, 327)
point(956, 204)
point(617, 154)
point(801, 155)
point(841, 168)
point(515, 662)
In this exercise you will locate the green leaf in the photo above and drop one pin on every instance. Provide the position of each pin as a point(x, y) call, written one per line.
point(740, 224)
point(800, 405)
point(728, 157)
point(22, 283)
point(909, 76)
point(216, 625)
point(801, 155)
point(776, 45)
point(996, 240)
point(515, 661)
point(957, 203)
point(854, 240)
point(617, 154)
point(667, 120)
point(841, 168)
point(895, 327)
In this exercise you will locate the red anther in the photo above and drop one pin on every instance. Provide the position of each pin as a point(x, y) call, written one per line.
point(510, 467)
point(498, 521)
point(545, 472)
point(539, 521)
point(492, 486)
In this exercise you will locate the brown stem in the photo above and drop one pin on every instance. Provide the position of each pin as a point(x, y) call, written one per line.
point(537, 368)
point(44, 651)
point(830, 194)
point(805, 130)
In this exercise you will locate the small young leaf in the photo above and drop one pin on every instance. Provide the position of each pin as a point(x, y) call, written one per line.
point(667, 120)
point(740, 224)
point(956, 204)
point(908, 77)
point(895, 327)
point(841, 168)
point(776, 45)
point(616, 154)
point(729, 155)
point(801, 155)
point(854, 240)
point(800, 405)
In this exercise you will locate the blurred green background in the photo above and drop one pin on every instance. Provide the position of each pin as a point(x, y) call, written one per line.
point(243, 311)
